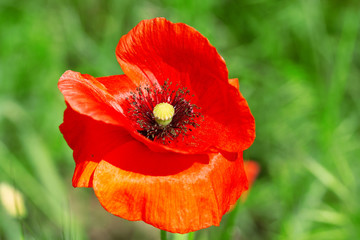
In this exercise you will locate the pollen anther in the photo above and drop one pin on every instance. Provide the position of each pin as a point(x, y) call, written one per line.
point(163, 113)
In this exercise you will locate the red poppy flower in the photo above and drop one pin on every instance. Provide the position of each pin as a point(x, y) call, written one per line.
point(162, 143)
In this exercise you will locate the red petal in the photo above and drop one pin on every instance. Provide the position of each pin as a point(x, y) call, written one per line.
point(90, 140)
point(102, 99)
point(234, 82)
point(119, 86)
point(157, 50)
point(84, 172)
point(231, 126)
point(174, 192)
point(90, 96)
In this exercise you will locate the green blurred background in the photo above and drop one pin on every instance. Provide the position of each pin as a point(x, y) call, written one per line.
point(298, 66)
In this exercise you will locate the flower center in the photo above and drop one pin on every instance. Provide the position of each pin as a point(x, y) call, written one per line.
point(163, 113)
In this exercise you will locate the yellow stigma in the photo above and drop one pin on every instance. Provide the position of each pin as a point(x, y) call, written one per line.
point(163, 113)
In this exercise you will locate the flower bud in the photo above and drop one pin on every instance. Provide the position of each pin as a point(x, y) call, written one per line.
point(12, 201)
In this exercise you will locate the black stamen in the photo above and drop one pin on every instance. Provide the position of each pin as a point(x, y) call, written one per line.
point(142, 103)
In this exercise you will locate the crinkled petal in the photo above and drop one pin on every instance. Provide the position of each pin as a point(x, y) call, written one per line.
point(90, 141)
point(84, 172)
point(157, 50)
point(235, 83)
point(119, 86)
point(174, 192)
point(104, 99)
point(230, 127)
point(90, 96)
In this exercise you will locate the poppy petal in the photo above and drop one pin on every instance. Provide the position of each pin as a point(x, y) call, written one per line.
point(235, 83)
point(232, 127)
point(83, 173)
point(119, 86)
point(157, 50)
point(174, 192)
point(90, 140)
point(88, 96)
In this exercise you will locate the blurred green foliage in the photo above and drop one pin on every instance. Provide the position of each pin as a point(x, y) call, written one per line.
point(298, 63)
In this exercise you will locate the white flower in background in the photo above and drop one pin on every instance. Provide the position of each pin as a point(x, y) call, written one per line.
point(12, 200)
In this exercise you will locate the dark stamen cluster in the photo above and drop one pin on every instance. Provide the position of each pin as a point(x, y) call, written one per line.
point(142, 103)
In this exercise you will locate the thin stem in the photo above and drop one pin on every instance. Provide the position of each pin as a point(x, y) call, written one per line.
point(163, 235)
point(21, 224)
